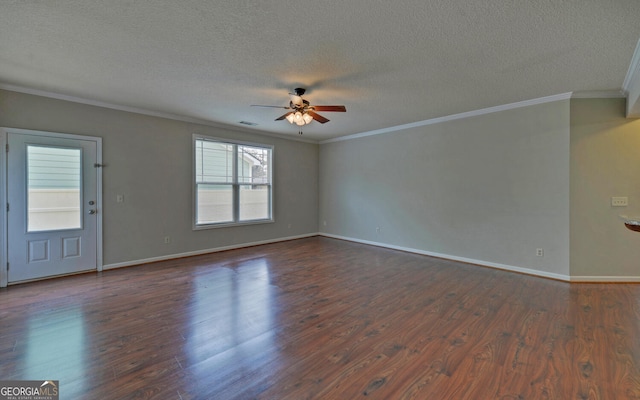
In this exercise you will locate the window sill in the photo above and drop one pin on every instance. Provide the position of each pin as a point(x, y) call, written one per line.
point(232, 224)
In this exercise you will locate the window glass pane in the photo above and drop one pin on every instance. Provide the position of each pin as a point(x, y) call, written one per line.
point(214, 162)
point(254, 202)
point(233, 182)
point(253, 165)
point(214, 203)
point(53, 188)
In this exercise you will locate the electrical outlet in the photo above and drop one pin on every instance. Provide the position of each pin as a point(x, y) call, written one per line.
point(539, 252)
point(619, 201)
point(167, 239)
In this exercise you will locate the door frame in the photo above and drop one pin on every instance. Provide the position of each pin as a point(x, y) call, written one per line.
point(4, 232)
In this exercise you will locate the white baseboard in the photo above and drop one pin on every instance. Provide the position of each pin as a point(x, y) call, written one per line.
point(606, 279)
point(204, 251)
point(511, 268)
point(504, 267)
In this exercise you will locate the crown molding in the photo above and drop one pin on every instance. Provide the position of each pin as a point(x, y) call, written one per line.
point(635, 71)
point(453, 117)
point(74, 99)
point(142, 111)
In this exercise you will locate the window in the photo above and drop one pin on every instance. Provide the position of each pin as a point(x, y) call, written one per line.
point(232, 182)
point(53, 188)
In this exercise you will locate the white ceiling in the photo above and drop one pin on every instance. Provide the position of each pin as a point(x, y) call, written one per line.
point(390, 63)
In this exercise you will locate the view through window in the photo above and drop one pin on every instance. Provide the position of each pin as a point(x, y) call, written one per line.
point(53, 188)
point(232, 182)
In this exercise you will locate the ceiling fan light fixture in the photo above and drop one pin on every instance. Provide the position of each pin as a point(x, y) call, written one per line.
point(298, 119)
point(307, 118)
point(302, 112)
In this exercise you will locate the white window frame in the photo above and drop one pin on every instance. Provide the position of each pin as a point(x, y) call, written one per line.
point(235, 184)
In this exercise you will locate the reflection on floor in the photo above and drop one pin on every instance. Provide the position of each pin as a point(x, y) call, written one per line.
point(320, 318)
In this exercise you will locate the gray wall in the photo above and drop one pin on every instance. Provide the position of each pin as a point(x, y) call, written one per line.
point(149, 160)
point(491, 188)
point(605, 162)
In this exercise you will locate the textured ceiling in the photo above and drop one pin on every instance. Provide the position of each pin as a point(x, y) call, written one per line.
point(390, 63)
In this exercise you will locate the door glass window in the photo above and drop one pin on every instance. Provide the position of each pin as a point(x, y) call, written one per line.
point(53, 188)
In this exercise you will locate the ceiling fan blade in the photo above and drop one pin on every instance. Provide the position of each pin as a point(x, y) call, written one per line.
point(260, 105)
point(330, 108)
point(317, 117)
point(280, 118)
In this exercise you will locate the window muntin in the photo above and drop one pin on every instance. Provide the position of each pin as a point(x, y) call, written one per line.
point(233, 182)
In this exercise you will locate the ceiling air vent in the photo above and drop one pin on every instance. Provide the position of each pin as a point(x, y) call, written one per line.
point(248, 123)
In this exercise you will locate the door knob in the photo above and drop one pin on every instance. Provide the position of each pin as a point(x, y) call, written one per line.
point(92, 211)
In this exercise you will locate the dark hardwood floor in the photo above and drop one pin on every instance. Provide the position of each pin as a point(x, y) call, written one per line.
point(320, 318)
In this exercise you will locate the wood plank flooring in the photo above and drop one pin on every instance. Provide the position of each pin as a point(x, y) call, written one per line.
point(320, 318)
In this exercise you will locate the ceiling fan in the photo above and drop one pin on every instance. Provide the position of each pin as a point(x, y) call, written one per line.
point(302, 113)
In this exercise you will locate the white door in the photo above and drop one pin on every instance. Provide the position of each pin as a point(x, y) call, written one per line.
point(52, 196)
